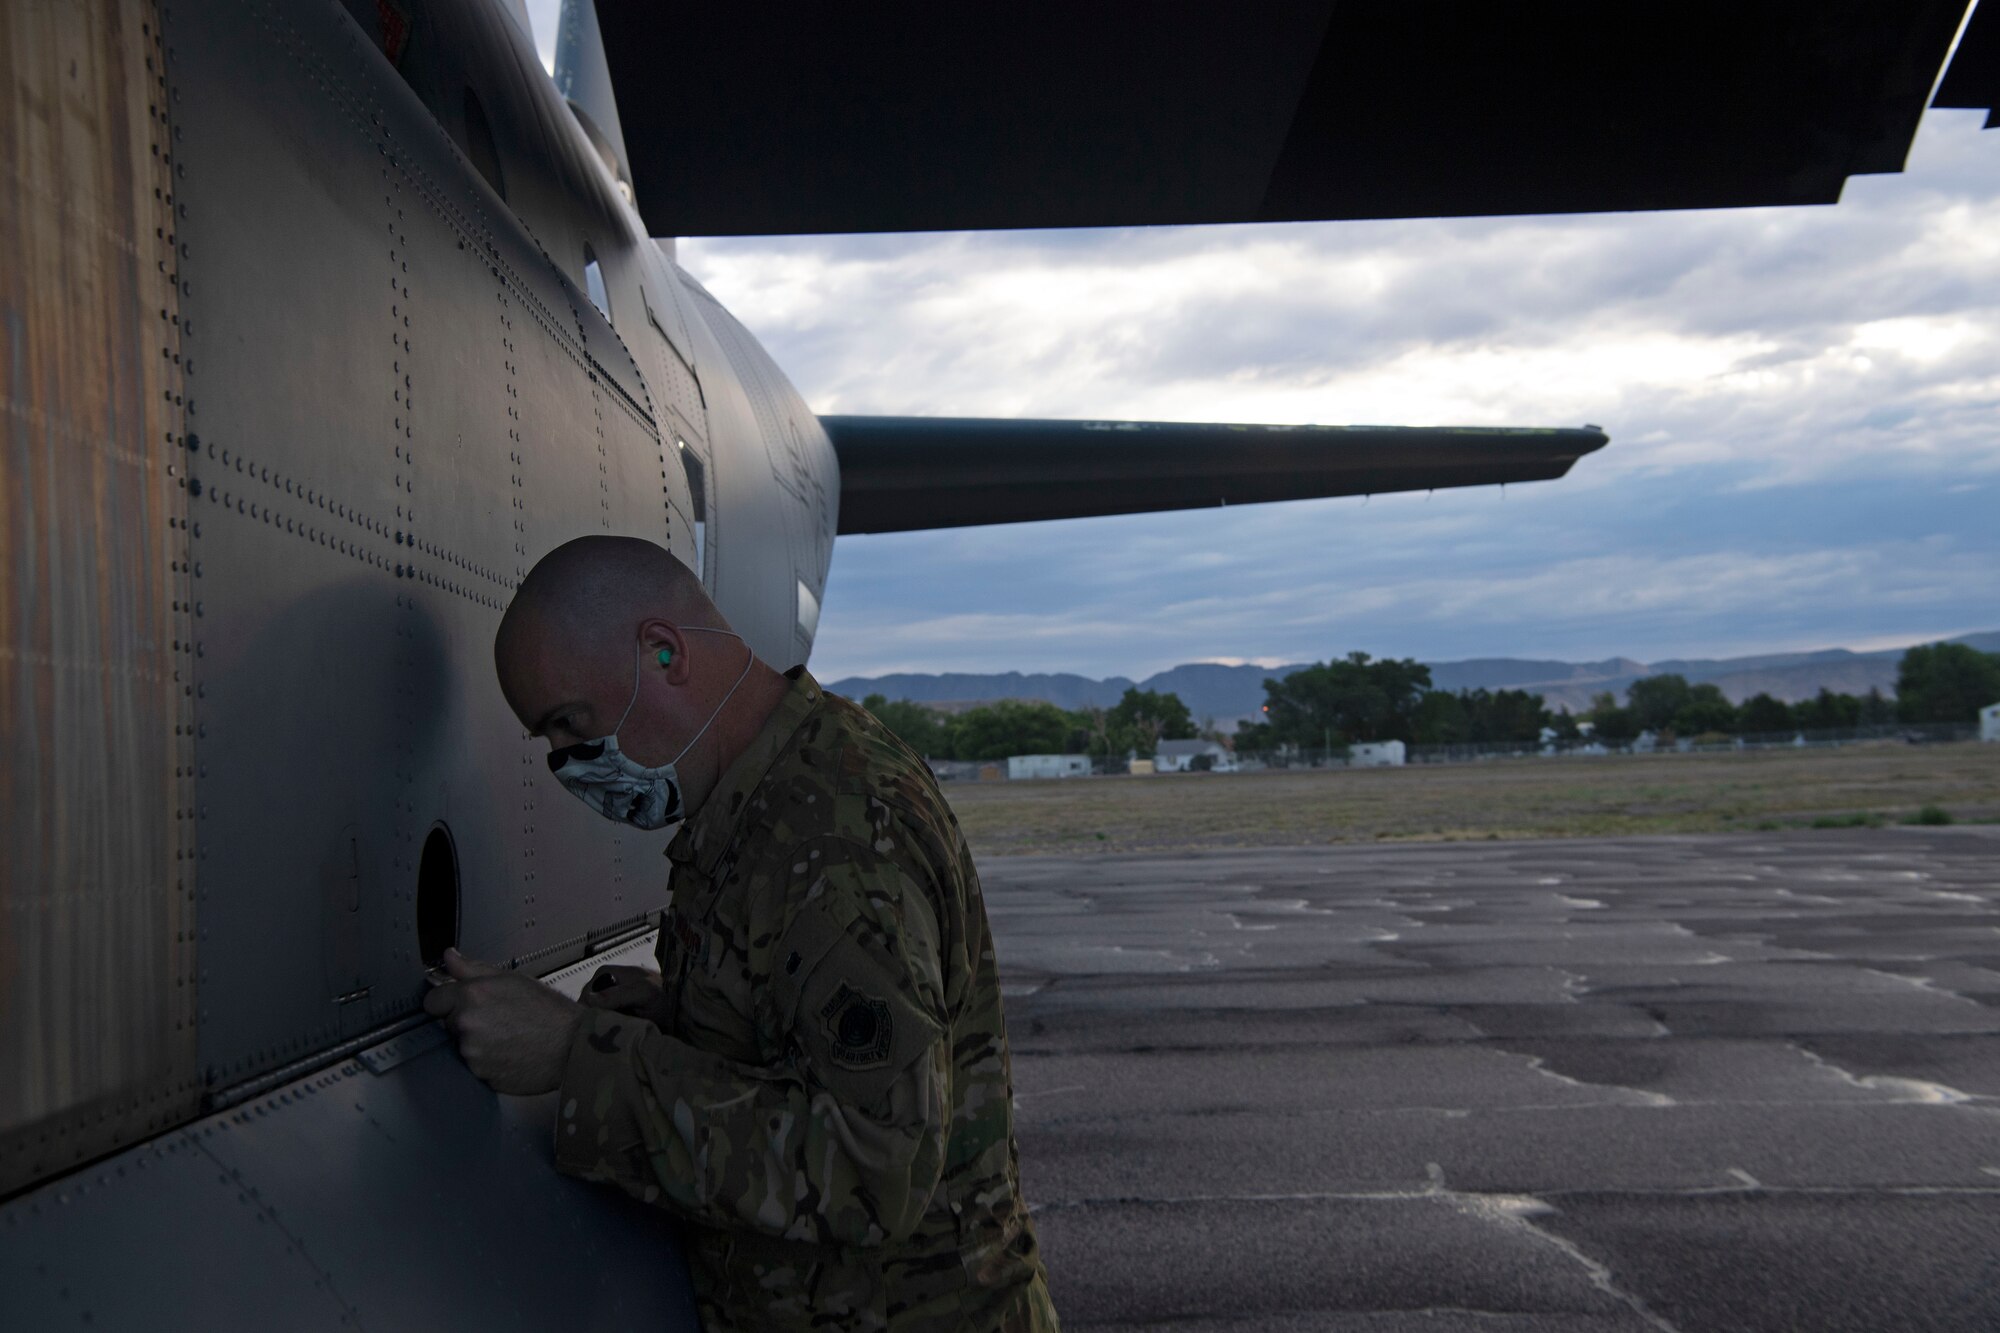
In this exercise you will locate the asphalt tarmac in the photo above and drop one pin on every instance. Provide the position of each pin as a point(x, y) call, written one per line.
point(1684, 1083)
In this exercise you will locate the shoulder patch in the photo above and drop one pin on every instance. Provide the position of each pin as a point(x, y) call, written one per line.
point(859, 1029)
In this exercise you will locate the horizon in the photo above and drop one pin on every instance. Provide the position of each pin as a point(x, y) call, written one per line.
point(1893, 643)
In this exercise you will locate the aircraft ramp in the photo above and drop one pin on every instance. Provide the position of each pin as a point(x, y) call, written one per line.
point(1666, 1083)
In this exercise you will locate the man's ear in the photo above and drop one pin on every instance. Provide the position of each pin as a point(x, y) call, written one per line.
point(666, 650)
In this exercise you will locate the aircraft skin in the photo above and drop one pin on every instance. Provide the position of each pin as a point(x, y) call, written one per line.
point(307, 366)
point(379, 390)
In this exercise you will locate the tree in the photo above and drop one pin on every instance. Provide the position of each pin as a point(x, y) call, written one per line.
point(922, 729)
point(1095, 724)
point(1011, 727)
point(1481, 716)
point(1440, 719)
point(1564, 726)
point(1876, 711)
point(1705, 709)
point(1827, 711)
point(1499, 716)
point(1946, 682)
point(1762, 715)
point(1655, 699)
point(1608, 721)
point(1354, 699)
point(1144, 718)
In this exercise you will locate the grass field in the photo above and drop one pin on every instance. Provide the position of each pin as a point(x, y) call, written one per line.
point(1525, 798)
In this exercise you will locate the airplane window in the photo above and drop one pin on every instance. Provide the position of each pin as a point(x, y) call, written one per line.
point(593, 282)
point(479, 144)
point(437, 896)
point(697, 477)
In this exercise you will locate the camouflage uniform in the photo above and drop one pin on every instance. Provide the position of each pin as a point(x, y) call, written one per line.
point(827, 1101)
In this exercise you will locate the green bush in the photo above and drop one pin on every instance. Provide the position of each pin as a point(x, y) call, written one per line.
point(1930, 814)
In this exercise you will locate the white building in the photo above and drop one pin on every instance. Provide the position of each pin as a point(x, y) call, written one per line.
point(1989, 723)
point(1377, 754)
point(1048, 766)
point(1180, 756)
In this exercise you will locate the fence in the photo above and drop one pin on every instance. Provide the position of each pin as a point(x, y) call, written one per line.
point(992, 770)
point(1921, 733)
point(1248, 761)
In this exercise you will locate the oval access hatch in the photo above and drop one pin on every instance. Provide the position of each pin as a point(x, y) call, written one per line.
point(437, 896)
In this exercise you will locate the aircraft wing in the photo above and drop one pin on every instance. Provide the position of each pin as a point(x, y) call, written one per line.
point(906, 115)
point(1973, 81)
point(901, 474)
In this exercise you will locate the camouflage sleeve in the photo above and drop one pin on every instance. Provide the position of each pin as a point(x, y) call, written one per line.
point(842, 1141)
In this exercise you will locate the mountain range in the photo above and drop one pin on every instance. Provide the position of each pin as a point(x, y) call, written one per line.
point(1230, 694)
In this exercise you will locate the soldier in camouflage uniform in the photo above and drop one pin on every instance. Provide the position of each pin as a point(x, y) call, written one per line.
point(816, 1082)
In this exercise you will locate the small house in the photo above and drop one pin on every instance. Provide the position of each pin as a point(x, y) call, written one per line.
point(1377, 754)
point(1048, 766)
point(1989, 723)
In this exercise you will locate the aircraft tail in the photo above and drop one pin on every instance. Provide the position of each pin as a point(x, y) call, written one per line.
point(583, 77)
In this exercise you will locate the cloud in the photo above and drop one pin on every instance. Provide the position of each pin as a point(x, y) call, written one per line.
point(1798, 399)
point(544, 17)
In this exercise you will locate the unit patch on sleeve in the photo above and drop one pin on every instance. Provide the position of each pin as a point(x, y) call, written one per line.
point(859, 1028)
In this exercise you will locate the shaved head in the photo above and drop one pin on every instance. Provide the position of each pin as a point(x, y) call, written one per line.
point(574, 622)
point(596, 590)
point(614, 636)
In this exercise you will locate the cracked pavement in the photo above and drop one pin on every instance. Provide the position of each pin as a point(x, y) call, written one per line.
point(1674, 1083)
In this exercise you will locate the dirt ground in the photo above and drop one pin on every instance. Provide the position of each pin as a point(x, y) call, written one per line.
point(1889, 782)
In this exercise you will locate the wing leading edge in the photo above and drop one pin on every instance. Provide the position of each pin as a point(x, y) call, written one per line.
point(903, 474)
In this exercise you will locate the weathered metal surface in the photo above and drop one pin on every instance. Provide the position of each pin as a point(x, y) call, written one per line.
point(402, 402)
point(294, 399)
point(442, 1213)
point(96, 917)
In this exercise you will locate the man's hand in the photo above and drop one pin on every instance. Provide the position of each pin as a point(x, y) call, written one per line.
point(513, 1032)
point(628, 990)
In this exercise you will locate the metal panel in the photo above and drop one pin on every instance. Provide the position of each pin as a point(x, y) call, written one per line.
point(582, 77)
point(96, 1031)
point(409, 1198)
point(294, 400)
point(137, 1206)
point(308, 664)
point(402, 403)
point(774, 463)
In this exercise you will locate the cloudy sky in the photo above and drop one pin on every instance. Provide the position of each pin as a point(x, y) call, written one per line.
point(1802, 407)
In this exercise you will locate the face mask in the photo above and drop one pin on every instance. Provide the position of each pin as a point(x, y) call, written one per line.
point(604, 778)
